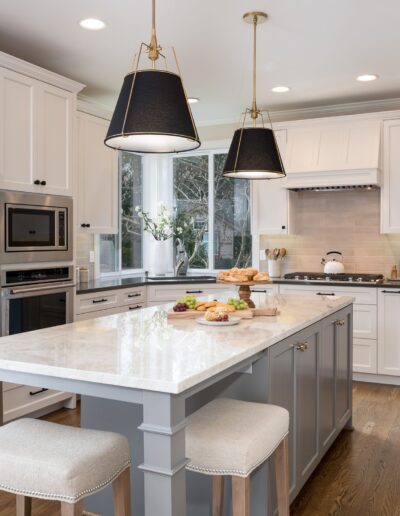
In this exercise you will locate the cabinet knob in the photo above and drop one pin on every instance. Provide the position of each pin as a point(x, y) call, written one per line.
point(36, 182)
point(283, 227)
point(43, 183)
point(340, 322)
point(84, 225)
point(302, 346)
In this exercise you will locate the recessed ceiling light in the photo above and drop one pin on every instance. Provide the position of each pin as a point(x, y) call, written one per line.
point(92, 24)
point(367, 77)
point(280, 89)
point(193, 100)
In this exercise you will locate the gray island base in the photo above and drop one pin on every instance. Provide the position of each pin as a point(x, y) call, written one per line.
point(141, 375)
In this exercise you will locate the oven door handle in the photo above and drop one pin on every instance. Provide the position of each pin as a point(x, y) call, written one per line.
point(27, 290)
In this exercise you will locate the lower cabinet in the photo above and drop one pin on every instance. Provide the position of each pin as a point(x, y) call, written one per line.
point(310, 375)
point(389, 332)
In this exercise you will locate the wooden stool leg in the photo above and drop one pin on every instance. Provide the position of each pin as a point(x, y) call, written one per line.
point(122, 494)
point(241, 496)
point(282, 477)
point(218, 495)
point(72, 509)
point(24, 506)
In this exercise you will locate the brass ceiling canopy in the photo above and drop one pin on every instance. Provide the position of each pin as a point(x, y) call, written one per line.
point(254, 153)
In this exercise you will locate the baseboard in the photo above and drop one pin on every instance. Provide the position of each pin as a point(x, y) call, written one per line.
point(376, 378)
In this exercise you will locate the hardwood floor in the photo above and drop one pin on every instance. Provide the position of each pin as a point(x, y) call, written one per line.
point(359, 476)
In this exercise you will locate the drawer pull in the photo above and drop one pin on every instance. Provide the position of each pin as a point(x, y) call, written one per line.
point(194, 292)
point(95, 301)
point(134, 307)
point(33, 393)
point(340, 322)
point(259, 291)
point(390, 291)
point(325, 294)
point(136, 294)
point(302, 347)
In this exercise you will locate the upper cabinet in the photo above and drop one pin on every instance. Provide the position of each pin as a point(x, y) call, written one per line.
point(35, 135)
point(334, 153)
point(390, 192)
point(97, 177)
point(270, 203)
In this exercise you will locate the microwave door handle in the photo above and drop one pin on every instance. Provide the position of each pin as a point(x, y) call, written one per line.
point(56, 228)
point(26, 290)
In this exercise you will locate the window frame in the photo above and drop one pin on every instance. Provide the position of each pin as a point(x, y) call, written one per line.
point(210, 152)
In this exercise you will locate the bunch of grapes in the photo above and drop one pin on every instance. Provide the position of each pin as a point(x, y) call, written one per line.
point(189, 300)
point(180, 307)
point(238, 304)
point(222, 318)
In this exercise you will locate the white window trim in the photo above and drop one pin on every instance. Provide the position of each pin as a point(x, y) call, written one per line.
point(158, 188)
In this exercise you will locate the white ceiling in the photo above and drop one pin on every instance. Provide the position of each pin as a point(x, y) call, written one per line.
point(317, 47)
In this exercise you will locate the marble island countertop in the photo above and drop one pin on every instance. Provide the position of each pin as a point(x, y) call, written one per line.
point(144, 350)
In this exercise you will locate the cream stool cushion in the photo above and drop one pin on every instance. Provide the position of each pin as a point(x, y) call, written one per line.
point(56, 462)
point(230, 437)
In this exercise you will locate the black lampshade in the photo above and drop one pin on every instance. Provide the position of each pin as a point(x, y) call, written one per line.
point(254, 154)
point(152, 115)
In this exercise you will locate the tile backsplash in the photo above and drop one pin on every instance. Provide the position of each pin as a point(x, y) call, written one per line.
point(84, 244)
point(346, 221)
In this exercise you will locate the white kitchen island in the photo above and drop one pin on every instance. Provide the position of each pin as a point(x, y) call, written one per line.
point(140, 374)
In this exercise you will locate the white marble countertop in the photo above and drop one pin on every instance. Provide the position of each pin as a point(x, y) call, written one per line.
point(145, 351)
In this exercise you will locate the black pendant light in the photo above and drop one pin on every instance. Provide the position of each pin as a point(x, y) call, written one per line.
point(152, 114)
point(254, 153)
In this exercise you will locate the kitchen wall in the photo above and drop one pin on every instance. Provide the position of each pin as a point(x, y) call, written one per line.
point(84, 244)
point(347, 221)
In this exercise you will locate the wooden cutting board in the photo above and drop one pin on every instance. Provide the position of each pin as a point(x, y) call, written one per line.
point(193, 314)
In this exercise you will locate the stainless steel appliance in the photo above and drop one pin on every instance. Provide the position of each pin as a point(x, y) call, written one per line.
point(32, 299)
point(35, 228)
point(354, 277)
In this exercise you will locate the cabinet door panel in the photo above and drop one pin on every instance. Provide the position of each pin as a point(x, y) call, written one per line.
point(365, 322)
point(365, 356)
point(17, 143)
point(390, 192)
point(55, 133)
point(389, 333)
point(98, 177)
point(282, 392)
point(343, 363)
point(307, 406)
point(327, 385)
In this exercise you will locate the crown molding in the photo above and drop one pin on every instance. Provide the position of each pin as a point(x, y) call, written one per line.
point(41, 74)
point(349, 108)
point(88, 106)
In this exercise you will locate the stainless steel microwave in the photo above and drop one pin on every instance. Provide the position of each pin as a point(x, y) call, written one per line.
point(35, 228)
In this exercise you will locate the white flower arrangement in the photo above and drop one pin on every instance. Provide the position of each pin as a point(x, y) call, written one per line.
point(162, 227)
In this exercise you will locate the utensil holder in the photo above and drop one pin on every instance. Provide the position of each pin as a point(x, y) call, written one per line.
point(274, 268)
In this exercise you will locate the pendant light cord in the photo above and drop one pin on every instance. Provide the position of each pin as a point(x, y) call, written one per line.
point(254, 110)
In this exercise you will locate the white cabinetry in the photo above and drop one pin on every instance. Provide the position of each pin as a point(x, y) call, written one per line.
point(270, 200)
point(364, 320)
point(109, 302)
point(389, 332)
point(97, 177)
point(159, 294)
point(321, 153)
point(35, 135)
point(390, 193)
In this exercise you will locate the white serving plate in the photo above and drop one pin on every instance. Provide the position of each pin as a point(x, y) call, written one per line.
point(232, 321)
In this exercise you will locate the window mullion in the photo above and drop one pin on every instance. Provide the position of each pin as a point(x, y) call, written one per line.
point(211, 211)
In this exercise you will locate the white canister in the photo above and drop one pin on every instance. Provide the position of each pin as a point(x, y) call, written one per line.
point(159, 258)
point(274, 268)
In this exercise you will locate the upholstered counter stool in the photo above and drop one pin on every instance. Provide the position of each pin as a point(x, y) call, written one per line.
point(232, 438)
point(56, 462)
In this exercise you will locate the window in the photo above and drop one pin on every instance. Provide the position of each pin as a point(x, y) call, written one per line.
point(207, 203)
point(124, 250)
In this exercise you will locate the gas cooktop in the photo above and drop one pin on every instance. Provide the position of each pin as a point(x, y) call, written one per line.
point(352, 277)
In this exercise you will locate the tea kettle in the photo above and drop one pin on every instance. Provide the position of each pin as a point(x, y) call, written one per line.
point(333, 266)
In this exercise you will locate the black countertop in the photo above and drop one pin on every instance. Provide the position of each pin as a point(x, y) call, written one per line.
point(100, 284)
point(118, 282)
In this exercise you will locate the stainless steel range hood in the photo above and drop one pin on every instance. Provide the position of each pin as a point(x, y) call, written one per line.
point(333, 155)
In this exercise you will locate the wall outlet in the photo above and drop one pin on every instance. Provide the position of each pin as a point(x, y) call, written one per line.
point(91, 256)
